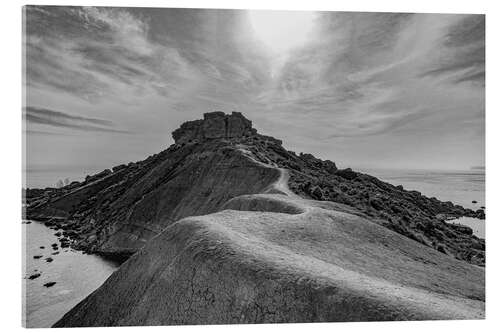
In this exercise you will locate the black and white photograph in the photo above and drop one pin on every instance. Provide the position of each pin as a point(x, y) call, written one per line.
point(216, 166)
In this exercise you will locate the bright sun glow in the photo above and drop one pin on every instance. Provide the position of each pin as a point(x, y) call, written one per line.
point(281, 30)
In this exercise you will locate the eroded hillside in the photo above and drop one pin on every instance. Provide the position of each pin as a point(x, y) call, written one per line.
point(221, 157)
point(278, 258)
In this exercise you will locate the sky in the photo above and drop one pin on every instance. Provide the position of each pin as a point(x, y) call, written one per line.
point(105, 86)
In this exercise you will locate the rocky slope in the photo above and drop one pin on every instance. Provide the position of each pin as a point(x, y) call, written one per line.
point(275, 257)
point(220, 157)
point(226, 226)
point(407, 212)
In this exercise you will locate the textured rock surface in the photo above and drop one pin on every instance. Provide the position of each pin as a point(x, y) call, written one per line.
point(283, 259)
point(115, 215)
point(215, 125)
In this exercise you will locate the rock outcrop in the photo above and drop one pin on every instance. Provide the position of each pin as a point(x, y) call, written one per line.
point(214, 125)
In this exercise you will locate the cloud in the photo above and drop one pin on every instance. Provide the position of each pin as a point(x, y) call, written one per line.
point(371, 73)
point(370, 79)
point(43, 116)
point(96, 53)
point(462, 58)
point(119, 54)
point(44, 133)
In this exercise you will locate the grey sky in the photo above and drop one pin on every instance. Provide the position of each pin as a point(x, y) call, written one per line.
point(109, 85)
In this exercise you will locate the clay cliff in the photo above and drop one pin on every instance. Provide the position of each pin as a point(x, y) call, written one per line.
point(278, 258)
point(115, 212)
point(220, 157)
point(227, 226)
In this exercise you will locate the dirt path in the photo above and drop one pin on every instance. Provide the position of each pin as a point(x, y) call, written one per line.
point(275, 257)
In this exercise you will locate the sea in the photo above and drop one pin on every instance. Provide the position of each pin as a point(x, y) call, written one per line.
point(77, 274)
point(42, 177)
point(465, 188)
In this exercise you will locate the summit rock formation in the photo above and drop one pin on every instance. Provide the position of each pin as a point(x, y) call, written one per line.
point(217, 125)
point(214, 125)
point(227, 226)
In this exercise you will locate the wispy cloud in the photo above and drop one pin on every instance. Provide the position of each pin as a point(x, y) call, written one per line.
point(370, 73)
point(43, 133)
point(462, 52)
point(115, 53)
point(42, 116)
point(96, 53)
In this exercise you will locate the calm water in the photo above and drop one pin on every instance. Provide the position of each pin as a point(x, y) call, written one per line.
point(459, 187)
point(41, 178)
point(76, 275)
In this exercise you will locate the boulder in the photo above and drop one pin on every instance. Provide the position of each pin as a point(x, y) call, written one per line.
point(346, 173)
point(329, 166)
point(316, 193)
point(376, 203)
point(461, 228)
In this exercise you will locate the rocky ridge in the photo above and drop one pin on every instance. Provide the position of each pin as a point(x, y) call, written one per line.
point(273, 256)
point(116, 212)
point(278, 258)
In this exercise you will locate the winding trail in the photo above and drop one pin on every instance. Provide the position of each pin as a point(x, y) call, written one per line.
point(281, 185)
point(275, 257)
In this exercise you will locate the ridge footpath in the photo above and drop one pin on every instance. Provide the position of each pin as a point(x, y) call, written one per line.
point(274, 257)
point(116, 212)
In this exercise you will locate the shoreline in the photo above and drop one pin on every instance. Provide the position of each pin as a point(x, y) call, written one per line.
point(68, 237)
point(55, 278)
